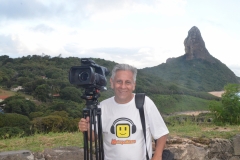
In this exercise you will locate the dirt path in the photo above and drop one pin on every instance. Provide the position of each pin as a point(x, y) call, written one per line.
point(217, 93)
point(195, 113)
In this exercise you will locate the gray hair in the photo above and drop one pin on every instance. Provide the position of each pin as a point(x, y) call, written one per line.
point(125, 67)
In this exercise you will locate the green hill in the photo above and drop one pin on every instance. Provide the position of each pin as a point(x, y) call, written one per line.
point(196, 74)
point(44, 76)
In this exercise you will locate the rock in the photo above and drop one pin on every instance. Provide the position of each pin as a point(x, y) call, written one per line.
point(235, 158)
point(236, 145)
point(189, 151)
point(17, 155)
point(195, 46)
point(63, 153)
point(203, 148)
point(220, 149)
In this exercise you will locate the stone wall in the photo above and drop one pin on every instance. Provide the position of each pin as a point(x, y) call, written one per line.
point(205, 149)
point(183, 149)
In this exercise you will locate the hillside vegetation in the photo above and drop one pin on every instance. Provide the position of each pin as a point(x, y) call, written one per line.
point(196, 74)
point(55, 105)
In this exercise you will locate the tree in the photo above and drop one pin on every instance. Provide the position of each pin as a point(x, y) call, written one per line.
point(229, 109)
point(71, 93)
point(23, 80)
point(73, 109)
point(42, 93)
point(18, 104)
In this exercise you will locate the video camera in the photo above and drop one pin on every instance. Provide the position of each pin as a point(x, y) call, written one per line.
point(88, 75)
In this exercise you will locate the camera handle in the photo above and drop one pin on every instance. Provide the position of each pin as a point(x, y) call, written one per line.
point(94, 113)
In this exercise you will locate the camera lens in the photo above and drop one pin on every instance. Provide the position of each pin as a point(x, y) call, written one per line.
point(83, 76)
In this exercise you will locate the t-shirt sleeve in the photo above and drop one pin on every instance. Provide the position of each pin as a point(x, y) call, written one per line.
point(157, 125)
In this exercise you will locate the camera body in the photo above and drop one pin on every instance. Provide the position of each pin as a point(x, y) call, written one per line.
point(89, 74)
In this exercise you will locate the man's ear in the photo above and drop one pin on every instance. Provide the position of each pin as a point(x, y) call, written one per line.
point(111, 82)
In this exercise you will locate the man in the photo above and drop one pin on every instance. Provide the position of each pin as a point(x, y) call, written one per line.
point(121, 125)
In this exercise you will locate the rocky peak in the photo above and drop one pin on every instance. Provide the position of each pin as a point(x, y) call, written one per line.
point(195, 46)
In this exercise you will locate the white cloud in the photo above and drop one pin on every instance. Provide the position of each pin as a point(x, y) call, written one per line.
point(235, 68)
point(143, 33)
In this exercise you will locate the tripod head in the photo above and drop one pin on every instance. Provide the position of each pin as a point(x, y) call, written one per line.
point(91, 96)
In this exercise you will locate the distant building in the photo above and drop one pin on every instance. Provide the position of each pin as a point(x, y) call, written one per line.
point(56, 95)
point(44, 77)
point(17, 89)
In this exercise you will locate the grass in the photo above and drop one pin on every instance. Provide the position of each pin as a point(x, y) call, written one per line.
point(6, 93)
point(39, 142)
point(204, 131)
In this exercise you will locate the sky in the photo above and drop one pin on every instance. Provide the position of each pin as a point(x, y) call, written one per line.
point(143, 33)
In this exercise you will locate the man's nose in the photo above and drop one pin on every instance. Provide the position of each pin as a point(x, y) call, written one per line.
point(123, 85)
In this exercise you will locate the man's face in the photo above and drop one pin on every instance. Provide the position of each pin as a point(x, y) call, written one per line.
point(123, 86)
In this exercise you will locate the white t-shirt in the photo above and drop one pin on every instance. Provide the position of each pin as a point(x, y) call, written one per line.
point(122, 129)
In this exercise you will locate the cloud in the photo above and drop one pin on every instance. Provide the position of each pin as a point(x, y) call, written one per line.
point(42, 28)
point(70, 12)
point(111, 10)
point(235, 68)
point(75, 10)
point(12, 9)
point(10, 44)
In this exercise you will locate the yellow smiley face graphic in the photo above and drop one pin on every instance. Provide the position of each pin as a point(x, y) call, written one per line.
point(123, 130)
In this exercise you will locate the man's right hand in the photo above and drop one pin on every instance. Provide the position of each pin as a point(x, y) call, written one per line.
point(83, 124)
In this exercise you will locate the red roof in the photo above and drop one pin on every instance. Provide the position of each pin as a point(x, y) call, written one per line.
point(3, 97)
point(56, 95)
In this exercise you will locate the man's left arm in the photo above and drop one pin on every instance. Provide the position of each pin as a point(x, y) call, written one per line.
point(159, 148)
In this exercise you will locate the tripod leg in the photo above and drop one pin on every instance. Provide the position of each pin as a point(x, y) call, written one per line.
point(100, 138)
point(91, 121)
point(85, 137)
point(86, 153)
point(95, 133)
point(95, 121)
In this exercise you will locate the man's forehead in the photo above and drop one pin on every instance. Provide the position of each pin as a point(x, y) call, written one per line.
point(124, 72)
point(123, 77)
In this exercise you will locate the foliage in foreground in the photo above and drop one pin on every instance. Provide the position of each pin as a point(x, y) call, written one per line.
point(227, 112)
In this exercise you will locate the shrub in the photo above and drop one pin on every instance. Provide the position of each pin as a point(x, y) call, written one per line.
point(15, 120)
point(8, 132)
point(228, 112)
point(54, 123)
point(35, 115)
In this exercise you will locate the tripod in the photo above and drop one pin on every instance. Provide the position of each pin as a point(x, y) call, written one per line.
point(94, 113)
